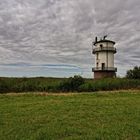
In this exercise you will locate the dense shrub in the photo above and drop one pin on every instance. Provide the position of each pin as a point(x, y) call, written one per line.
point(134, 73)
point(28, 84)
point(71, 84)
point(110, 84)
point(76, 83)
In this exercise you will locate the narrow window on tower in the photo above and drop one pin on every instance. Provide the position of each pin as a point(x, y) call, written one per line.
point(97, 64)
point(97, 56)
point(101, 45)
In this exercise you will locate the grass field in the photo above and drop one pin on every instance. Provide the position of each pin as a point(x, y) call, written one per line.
point(100, 116)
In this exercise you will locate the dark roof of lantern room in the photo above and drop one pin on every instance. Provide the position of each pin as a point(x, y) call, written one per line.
point(102, 41)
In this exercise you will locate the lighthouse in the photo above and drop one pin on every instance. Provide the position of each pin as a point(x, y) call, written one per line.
point(104, 51)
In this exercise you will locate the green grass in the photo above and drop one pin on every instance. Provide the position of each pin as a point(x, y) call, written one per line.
point(100, 116)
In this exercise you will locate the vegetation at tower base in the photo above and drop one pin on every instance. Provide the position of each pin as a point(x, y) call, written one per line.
point(133, 73)
point(72, 84)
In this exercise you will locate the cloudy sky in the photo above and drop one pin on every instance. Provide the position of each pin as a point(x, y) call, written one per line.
point(54, 37)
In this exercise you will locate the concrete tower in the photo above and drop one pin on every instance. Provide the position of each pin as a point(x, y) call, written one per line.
point(104, 51)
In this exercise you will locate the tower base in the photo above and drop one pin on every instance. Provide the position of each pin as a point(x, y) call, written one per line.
point(104, 74)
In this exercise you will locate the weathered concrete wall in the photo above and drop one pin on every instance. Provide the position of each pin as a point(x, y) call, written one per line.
point(106, 57)
point(104, 74)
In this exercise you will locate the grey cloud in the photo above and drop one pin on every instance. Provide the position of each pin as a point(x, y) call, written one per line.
point(61, 32)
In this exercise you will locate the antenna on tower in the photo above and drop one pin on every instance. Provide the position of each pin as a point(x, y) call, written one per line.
point(96, 39)
point(105, 37)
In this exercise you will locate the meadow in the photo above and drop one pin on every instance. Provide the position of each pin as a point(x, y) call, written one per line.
point(75, 116)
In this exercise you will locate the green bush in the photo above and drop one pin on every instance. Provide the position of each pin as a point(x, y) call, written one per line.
point(133, 73)
point(110, 84)
point(76, 83)
point(71, 84)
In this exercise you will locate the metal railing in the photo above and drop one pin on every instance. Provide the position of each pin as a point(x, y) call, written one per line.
point(98, 49)
point(104, 69)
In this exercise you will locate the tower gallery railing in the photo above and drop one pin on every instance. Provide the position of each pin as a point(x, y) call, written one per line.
point(98, 49)
point(104, 69)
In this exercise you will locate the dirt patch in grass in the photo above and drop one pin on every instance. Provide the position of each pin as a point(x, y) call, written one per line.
point(71, 94)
